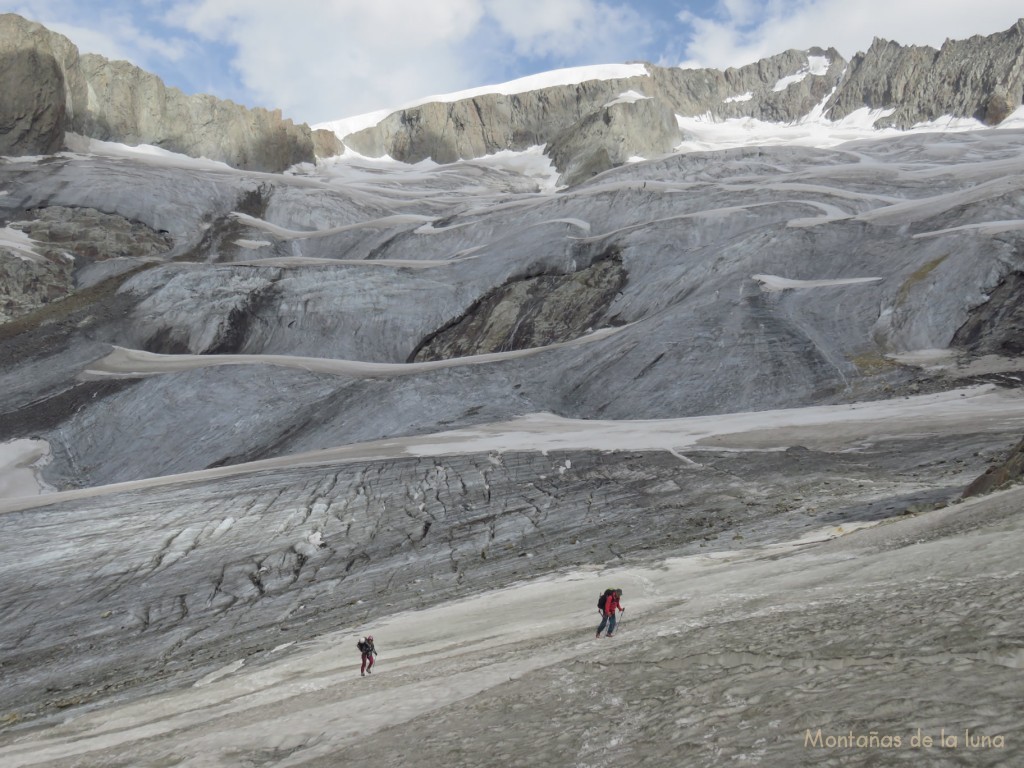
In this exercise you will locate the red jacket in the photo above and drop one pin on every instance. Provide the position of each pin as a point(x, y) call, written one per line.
point(611, 603)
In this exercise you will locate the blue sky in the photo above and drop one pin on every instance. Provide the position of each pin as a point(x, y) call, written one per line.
point(318, 60)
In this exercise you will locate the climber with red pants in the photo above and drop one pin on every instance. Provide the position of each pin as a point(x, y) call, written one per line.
point(366, 648)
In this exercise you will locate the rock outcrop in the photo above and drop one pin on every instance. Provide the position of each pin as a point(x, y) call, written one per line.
point(780, 88)
point(1010, 470)
point(132, 106)
point(41, 84)
point(981, 77)
point(530, 312)
point(623, 129)
point(49, 90)
point(30, 278)
point(63, 249)
point(997, 326)
point(326, 143)
point(90, 235)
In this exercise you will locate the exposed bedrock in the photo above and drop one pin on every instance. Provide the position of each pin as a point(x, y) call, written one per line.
point(1006, 472)
point(327, 144)
point(131, 106)
point(531, 312)
point(29, 279)
point(980, 77)
point(997, 326)
point(49, 89)
point(91, 235)
point(64, 250)
point(447, 131)
point(32, 117)
point(615, 134)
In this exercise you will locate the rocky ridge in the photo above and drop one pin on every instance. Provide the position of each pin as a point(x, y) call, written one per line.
point(598, 124)
point(982, 77)
point(50, 89)
point(587, 128)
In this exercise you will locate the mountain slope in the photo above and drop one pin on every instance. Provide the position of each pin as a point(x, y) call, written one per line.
point(448, 405)
point(741, 280)
point(599, 117)
point(980, 78)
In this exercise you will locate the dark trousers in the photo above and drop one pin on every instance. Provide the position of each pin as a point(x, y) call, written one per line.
point(609, 619)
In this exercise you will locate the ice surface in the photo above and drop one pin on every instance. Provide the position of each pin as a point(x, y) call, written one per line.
point(627, 97)
point(818, 65)
point(19, 243)
point(253, 579)
point(785, 82)
point(775, 283)
point(735, 655)
point(133, 363)
point(143, 153)
point(20, 462)
point(985, 408)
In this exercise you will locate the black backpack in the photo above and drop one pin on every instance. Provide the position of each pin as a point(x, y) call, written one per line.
point(362, 646)
point(603, 599)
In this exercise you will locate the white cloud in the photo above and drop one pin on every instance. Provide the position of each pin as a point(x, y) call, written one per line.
point(568, 27)
point(321, 59)
point(748, 30)
point(742, 11)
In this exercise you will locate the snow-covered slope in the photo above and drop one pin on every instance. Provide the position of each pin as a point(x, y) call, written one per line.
point(556, 77)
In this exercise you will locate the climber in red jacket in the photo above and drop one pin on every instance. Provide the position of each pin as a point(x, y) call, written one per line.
point(611, 604)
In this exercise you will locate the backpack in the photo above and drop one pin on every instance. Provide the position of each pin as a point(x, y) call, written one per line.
point(603, 599)
point(362, 646)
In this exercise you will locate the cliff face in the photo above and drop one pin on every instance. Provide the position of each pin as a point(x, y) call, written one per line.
point(471, 127)
point(981, 77)
point(49, 89)
point(42, 87)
